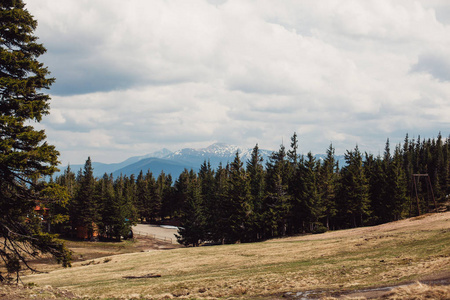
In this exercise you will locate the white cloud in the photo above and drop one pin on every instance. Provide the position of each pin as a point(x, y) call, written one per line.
point(140, 75)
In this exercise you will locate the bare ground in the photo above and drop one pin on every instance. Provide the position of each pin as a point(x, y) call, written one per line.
point(86, 253)
point(364, 263)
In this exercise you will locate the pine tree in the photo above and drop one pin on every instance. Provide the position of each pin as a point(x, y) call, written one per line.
point(237, 205)
point(328, 183)
point(141, 196)
point(354, 189)
point(209, 197)
point(217, 231)
point(108, 208)
point(192, 230)
point(255, 171)
point(163, 183)
point(58, 213)
point(180, 192)
point(277, 201)
point(292, 153)
point(128, 214)
point(446, 169)
point(377, 179)
point(398, 181)
point(312, 197)
point(167, 201)
point(84, 210)
point(25, 156)
point(152, 200)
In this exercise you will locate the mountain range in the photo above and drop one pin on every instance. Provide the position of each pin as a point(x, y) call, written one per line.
point(175, 162)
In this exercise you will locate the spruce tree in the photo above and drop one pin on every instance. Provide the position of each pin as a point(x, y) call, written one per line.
point(208, 192)
point(221, 216)
point(397, 180)
point(237, 205)
point(354, 190)
point(192, 230)
point(25, 156)
point(277, 201)
point(255, 172)
point(312, 196)
point(108, 208)
point(180, 192)
point(377, 179)
point(84, 209)
point(126, 215)
point(141, 194)
point(328, 185)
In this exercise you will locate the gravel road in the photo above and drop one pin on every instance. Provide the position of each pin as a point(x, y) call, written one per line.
point(166, 233)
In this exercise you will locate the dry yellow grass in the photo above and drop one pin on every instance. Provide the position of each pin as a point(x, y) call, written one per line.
point(358, 258)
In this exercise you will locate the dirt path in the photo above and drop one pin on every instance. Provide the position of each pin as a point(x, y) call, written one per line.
point(163, 233)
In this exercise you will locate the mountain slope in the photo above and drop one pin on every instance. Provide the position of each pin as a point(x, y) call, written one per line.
point(154, 165)
point(175, 162)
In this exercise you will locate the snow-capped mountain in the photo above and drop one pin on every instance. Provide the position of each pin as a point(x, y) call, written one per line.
point(175, 162)
point(216, 153)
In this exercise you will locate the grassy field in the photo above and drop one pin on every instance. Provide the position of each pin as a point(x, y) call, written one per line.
point(330, 263)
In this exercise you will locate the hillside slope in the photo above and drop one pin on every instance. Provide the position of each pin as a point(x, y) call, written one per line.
point(385, 255)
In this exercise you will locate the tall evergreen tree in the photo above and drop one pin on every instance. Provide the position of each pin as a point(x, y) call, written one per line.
point(217, 231)
point(328, 185)
point(237, 205)
point(255, 172)
point(354, 189)
point(312, 196)
point(109, 208)
point(149, 198)
point(25, 156)
point(209, 197)
point(398, 183)
point(293, 152)
point(167, 201)
point(127, 215)
point(180, 192)
point(277, 202)
point(192, 230)
point(142, 194)
point(377, 178)
point(85, 209)
point(163, 187)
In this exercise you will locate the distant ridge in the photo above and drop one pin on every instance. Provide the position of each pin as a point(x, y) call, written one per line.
point(174, 163)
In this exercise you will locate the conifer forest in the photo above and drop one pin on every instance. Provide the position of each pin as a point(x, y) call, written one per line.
point(257, 200)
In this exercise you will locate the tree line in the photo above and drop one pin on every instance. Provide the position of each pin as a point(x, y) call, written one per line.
point(288, 194)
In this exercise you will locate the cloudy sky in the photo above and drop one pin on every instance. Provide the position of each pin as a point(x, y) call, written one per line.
point(135, 76)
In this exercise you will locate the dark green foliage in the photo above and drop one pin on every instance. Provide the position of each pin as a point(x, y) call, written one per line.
point(236, 205)
point(193, 231)
point(295, 194)
point(328, 183)
point(354, 192)
point(206, 177)
point(25, 156)
point(105, 207)
point(85, 206)
point(125, 214)
point(292, 194)
point(312, 195)
point(255, 173)
point(377, 178)
point(277, 201)
point(110, 208)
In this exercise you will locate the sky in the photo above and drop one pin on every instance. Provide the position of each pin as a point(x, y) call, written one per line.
point(136, 76)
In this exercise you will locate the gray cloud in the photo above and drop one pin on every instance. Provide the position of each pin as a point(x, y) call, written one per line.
point(137, 76)
point(435, 64)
